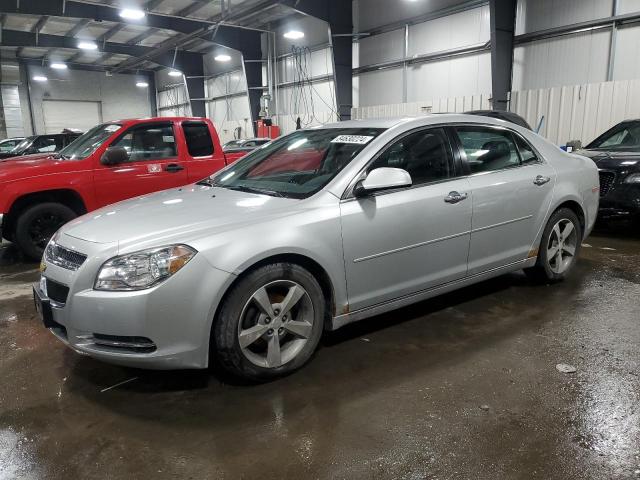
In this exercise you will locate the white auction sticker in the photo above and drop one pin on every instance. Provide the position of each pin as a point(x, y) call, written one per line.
point(356, 139)
point(112, 128)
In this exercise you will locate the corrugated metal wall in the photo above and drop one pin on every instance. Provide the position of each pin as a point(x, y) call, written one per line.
point(578, 112)
point(440, 105)
point(12, 111)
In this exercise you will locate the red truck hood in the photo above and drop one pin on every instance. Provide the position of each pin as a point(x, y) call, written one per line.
point(26, 166)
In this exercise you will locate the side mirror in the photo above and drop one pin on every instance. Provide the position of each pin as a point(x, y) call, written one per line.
point(383, 178)
point(114, 156)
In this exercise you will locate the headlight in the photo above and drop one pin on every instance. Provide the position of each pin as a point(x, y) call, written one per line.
point(144, 269)
point(633, 178)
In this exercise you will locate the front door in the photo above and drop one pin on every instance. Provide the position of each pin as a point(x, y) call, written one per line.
point(402, 241)
point(153, 164)
point(512, 190)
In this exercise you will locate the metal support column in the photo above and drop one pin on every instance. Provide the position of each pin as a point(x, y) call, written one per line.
point(503, 17)
point(612, 45)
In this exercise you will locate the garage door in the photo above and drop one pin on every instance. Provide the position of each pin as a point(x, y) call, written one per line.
point(61, 114)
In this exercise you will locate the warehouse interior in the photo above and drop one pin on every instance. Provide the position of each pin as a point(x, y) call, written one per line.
point(505, 378)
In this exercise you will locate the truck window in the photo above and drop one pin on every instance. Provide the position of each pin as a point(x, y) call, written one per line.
point(198, 139)
point(148, 142)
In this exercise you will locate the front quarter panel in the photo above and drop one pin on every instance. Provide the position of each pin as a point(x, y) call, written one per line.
point(312, 230)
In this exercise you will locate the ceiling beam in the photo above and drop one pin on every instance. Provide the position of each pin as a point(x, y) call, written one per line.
point(152, 4)
point(40, 24)
point(78, 27)
point(111, 32)
point(143, 36)
point(189, 9)
point(103, 58)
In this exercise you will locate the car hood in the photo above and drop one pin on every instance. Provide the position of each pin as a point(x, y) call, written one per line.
point(612, 160)
point(25, 166)
point(180, 214)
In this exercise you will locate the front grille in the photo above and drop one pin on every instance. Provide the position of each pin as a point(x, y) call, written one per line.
point(63, 257)
point(57, 291)
point(606, 182)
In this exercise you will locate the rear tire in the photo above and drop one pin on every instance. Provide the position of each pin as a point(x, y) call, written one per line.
point(559, 248)
point(37, 224)
point(270, 323)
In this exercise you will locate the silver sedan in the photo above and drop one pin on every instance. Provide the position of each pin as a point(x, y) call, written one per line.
point(313, 231)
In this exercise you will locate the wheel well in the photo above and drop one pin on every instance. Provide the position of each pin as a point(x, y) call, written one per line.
point(312, 266)
point(577, 209)
point(69, 198)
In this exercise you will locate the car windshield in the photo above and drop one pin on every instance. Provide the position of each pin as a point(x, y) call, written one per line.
point(86, 144)
point(298, 165)
point(22, 145)
point(622, 137)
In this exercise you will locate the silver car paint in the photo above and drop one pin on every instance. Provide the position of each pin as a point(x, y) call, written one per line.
point(421, 254)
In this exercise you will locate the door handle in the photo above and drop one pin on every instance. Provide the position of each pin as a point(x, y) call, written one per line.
point(455, 197)
point(541, 180)
point(173, 168)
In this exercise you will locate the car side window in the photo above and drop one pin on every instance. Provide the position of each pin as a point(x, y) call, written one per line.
point(527, 155)
point(425, 154)
point(488, 149)
point(198, 139)
point(45, 145)
point(148, 142)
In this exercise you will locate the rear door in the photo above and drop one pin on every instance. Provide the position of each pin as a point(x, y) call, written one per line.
point(512, 188)
point(154, 164)
point(203, 156)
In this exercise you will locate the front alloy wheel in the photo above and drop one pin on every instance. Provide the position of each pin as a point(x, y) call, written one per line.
point(270, 322)
point(275, 324)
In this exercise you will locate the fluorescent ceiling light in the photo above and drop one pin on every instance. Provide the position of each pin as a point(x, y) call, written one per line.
point(175, 73)
point(222, 58)
point(40, 78)
point(85, 45)
point(132, 14)
point(142, 84)
point(59, 65)
point(294, 35)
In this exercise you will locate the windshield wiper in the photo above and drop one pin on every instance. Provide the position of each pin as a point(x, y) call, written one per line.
point(206, 182)
point(62, 156)
point(260, 191)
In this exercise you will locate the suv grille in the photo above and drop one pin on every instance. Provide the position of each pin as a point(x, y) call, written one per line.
point(63, 257)
point(606, 182)
point(57, 291)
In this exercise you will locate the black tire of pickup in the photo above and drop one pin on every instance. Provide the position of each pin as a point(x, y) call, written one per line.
point(37, 224)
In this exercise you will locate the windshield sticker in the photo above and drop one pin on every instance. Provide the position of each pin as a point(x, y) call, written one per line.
point(355, 139)
point(167, 138)
point(112, 128)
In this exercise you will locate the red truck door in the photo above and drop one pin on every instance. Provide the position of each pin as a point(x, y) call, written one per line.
point(203, 149)
point(155, 163)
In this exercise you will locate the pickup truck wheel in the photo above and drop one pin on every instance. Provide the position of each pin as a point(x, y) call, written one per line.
point(37, 224)
point(270, 323)
point(559, 247)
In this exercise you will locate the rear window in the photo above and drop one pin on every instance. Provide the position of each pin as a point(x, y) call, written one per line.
point(198, 139)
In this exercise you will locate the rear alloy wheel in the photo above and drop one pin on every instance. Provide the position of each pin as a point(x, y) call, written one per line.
point(37, 224)
point(270, 323)
point(559, 247)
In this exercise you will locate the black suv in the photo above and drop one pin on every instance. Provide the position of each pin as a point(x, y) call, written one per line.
point(617, 155)
point(42, 144)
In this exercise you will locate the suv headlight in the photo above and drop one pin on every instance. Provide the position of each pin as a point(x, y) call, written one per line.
point(633, 178)
point(144, 269)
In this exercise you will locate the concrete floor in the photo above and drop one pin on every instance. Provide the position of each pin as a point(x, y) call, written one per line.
point(464, 386)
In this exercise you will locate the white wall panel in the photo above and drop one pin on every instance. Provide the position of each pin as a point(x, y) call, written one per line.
point(381, 48)
point(453, 31)
point(317, 97)
point(381, 87)
point(449, 78)
point(628, 6)
point(534, 15)
point(627, 54)
point(578, 112)
point(12, 111)
point(560, 61)
point(437, 105)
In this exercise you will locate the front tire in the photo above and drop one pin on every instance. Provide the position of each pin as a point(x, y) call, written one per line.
point(37, 224)
point(559, 247)
point(270, 323)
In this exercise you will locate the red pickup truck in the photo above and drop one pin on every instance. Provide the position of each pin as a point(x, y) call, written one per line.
point(111, 162)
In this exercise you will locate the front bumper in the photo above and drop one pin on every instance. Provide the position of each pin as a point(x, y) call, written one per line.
point(622, 201)
point(164, 327)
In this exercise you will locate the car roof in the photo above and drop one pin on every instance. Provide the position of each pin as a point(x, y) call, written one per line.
point(422, 120)
point(158, 119)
